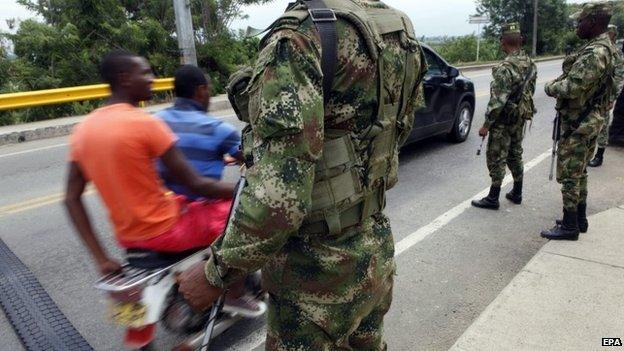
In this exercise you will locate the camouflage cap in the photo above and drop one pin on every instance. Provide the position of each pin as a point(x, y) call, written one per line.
point(510, 28)
point(613, 28)
point(593, 9)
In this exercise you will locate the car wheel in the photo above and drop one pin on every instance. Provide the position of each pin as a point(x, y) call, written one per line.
point(463, 123)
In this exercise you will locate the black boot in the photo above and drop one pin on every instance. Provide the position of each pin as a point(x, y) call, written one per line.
point(515, 195)
point(567, 230)
point(598, 159)
point(489, 202)
point(582, 218)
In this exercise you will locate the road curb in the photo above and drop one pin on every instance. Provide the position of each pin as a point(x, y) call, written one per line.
point(36, 134)
point(493, 64)
point(54, 128)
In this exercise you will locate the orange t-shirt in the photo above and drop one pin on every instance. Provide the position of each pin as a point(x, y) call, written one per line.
point(116, 147)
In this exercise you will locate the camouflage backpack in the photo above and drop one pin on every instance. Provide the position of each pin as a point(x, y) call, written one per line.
point(348, 190)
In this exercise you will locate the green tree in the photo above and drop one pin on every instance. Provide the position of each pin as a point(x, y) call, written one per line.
point(65, 48)
point(463, 49)
point(552, 19)
point(618, 19)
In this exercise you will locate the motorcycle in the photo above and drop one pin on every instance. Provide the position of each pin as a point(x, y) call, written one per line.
point(145, 293)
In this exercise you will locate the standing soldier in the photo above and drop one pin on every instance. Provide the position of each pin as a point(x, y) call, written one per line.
point(511, 105)
point(584, 92)
point(329, 101)
point(603, 137)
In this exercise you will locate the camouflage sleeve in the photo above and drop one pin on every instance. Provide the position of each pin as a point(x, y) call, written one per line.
point(500, 89)
point(582, 77)
point(416, 102)
point(619, 76)
point(287, 116)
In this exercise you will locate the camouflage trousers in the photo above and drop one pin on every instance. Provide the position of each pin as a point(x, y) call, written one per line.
point(504, 149)
point(603, 136)
point(573, 155)
point(290, 329)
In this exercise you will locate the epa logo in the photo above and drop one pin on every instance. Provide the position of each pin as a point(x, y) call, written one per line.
point(611, 342)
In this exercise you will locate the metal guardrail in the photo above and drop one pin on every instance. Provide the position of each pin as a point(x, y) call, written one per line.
point(63, 95)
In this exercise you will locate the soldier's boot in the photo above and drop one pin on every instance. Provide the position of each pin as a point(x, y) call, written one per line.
point(598, 159)
point(567, 230)
point(582, 218)
point(515, 195)
point(489, 202)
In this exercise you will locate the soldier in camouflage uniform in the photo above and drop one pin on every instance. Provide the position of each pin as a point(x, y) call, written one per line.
point(504, 120)
point(311, 213)
point(603, 137)
point(588, 81)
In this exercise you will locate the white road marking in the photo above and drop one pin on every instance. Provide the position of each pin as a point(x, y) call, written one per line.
point(453, 213)
point(34, 150)
point(65, 144)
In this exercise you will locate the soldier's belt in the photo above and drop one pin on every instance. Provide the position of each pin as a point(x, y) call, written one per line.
point(336, 223)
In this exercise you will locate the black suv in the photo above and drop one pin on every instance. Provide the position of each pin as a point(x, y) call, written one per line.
point(450, 102)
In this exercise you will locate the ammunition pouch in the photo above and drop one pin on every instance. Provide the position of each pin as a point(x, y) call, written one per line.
point(238, 94)
point(340, 197)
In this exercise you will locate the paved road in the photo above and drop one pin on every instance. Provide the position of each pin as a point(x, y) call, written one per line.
point(454, 259)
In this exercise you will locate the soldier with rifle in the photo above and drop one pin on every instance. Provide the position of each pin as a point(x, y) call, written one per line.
point(510, 106)
point(603, 137)
point(584, 93)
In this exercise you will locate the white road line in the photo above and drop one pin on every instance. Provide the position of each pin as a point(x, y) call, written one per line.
point(422, 233)
point(453, 213)
point(65, 144)
point(34, 150)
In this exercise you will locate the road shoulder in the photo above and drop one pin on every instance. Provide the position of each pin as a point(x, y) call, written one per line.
point(52, 128)
point(568, 297)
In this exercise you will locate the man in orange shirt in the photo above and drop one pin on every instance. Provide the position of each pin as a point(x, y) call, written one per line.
point(116, 148)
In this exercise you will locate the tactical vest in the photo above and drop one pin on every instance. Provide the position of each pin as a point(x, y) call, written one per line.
point(347, 189)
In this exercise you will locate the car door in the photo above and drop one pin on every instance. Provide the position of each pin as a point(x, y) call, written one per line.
point(439, 106)
point(442, 92)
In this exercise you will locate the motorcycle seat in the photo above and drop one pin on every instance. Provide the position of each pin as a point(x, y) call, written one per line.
point(148, 259)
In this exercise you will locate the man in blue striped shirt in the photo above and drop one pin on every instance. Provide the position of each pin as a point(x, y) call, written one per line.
point(208, 143)
point(203, 139)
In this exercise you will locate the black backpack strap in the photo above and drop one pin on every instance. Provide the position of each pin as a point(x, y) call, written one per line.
point(325, 19)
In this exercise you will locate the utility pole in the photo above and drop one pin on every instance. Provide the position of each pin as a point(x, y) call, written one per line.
point(184, 31)
point(534, 28)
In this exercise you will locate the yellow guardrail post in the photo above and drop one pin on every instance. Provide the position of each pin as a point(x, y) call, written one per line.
point(35, 98)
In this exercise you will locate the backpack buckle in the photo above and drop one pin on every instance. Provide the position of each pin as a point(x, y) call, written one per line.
point(323, 15)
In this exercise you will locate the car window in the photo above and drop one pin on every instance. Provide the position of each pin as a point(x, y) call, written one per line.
point(435, 68)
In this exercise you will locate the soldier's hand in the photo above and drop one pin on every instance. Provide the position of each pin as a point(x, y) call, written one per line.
point(547, 89)
point(195, 288)
point(483, 132)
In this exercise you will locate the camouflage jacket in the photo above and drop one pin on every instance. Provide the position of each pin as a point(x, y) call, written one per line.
point(508, 76)
point(288, 136)
point(619, 75)
point(584, 74)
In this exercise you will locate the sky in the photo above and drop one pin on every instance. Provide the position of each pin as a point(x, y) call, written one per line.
point(430, 17)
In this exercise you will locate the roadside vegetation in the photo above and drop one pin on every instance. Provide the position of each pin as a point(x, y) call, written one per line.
point(62, 46)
